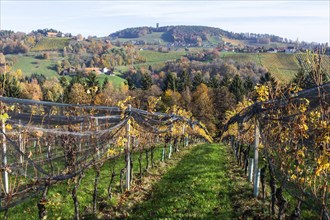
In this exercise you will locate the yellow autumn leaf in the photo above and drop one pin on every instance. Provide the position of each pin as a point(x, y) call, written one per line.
point(9, 127)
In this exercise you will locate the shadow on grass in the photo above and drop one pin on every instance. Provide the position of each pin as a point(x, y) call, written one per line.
point(197, 187)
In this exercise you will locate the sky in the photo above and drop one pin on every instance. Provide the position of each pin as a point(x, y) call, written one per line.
point(306, 20)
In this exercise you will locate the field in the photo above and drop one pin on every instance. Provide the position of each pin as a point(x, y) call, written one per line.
point(29, 65)
point(115, 80)
point(234, 42)
point(156, 57)
point(153, 58)
point(51, 44)
point(282, 66)
point(148, 38)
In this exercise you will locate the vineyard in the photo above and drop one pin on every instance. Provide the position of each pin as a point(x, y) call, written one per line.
point(283, 66)
point(51, 44)
point(44, 144)
point(288, 137)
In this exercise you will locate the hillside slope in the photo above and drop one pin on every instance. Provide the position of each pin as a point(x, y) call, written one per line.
point(191, 36)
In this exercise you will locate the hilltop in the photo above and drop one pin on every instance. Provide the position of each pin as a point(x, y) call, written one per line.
point(191, 36)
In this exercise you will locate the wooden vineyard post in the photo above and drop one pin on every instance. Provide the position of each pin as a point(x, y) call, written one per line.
point(128, 156)
point(256, 158)
point(4, 160)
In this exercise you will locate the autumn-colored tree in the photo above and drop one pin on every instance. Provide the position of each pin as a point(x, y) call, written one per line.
point(203, 107)
point(52, 90)
point(78, 95)
point(171, 98)
point(223, 100)
point(46, 55)
point(31, 90)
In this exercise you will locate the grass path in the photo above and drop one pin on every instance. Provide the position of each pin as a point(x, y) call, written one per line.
point(199, 182)
point(197, 187)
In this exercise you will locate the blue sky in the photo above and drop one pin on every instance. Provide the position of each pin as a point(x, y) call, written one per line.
point(306, 20)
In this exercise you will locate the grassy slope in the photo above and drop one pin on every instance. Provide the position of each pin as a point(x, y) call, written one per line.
point(48, 44)
point(30, 65)
point(197, 187)
point(282, 66)
point(155, 37)
point(154, 58)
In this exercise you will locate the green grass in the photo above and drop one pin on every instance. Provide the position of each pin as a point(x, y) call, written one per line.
point(154, 37)
point(48, 44)
point(154, 56)
point(59, 196)
point(116, 80)
point(196, 188)
point(29, 65)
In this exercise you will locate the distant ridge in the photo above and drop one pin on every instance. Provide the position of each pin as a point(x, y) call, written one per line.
point(192, 34)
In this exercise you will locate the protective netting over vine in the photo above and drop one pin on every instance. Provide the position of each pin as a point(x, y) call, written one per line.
point(44, 141)
point(294, 132)
point(314, 96)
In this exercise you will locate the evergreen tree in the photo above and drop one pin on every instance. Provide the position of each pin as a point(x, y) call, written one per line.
point(248, 84)
point(198, 79)
point(184, 81)
point(146, 81)
point(92, 80)
point(105, 82)
point(225, 81)
point(237, 88)
point(267, 77)
point(213, 82)
point(171, 82)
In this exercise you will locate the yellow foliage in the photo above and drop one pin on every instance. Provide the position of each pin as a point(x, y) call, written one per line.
point(9, 127)
point(323, 164)
point(121, 141)
point(152, 102)
point(262, 92)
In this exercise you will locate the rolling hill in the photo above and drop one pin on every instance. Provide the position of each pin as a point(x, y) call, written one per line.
point(195, 36)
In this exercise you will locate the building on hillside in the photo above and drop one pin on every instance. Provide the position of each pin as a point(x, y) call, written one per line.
point(271, 50)
point(69, 71)
point(55, 34)
point(290, 49)
point(108, 71)
point(95, 70)
point(52, 34)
